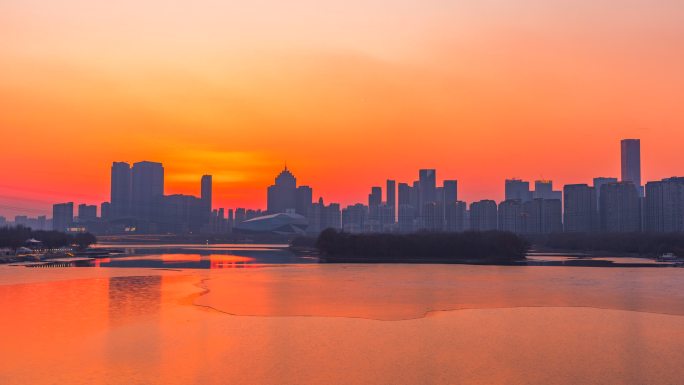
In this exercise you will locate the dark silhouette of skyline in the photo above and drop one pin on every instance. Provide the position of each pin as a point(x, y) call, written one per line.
point(138, 204)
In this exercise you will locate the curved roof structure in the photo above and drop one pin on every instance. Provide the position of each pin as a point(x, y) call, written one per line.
point(281, 223)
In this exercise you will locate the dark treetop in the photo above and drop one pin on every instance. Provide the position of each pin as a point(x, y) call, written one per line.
point(422, 247)
point(15, 237)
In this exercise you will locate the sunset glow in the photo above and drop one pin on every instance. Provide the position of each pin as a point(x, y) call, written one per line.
point(348, 93)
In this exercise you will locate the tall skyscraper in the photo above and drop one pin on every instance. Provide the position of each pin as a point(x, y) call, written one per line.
point(374, 202)
point(147, 189)
point(450, 191)
point(579, 202)
point(518, 189)
point(631, 162)
point(375, 196)
point(598, 182)
point(120, 198)
point(206, 193)
point(391, 200)
point(427, 182)
point(391, 193)
point(62, 216)
point(282, 196)
point(406, 210)
point(304, 200)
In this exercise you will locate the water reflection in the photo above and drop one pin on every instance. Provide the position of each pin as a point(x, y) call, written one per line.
point(131, 297)
point(144, 329)
point(180, 261)
point(202, 257)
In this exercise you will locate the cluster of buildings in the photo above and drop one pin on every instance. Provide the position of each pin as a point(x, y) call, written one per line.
point(607, 205)
point(138, 205)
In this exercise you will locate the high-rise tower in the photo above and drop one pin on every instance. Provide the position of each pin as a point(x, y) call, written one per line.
point(120, 198)
point(206, 193)
point(147, 189)
point(427, 183)
point(631, 162)
point(282, 196)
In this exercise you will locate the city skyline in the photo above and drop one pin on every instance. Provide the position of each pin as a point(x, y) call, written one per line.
point(139, 204)
point(43, 206)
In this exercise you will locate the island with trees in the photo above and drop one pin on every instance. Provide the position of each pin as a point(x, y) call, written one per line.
point(488, 247)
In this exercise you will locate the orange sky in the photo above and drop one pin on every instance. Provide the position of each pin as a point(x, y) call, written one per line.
point(349, 93)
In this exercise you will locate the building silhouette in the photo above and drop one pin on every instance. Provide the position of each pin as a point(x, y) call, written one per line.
point(511, 216)
point(105, 211)
point(282, 195)
point(87, 213)
point(182, 214)
point(664, 206)
point(517, 189)
point(630, 150)
point(580, 212)
point(206, 192)
point(455, 219)
point(391, 199)
point(406, 209)
point(450, 191)
point(324, 217)
point(304, 200)
point(137, 203)
point(598, 182)
point(354, 218)
point(433, 216)
point(620, 208)
point(147, 190)
point(543, 216)
point(543, 189)
point(120, 194)
point(62, 216)
point(427, 186)
point(483, 215)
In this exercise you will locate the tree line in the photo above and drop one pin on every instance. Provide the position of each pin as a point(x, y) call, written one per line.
point(646, 244)
point(436, 247)
point(15, 237)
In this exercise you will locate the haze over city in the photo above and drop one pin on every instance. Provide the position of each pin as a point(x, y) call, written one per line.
point(347, 93)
